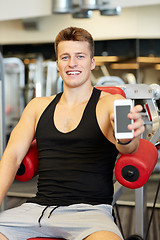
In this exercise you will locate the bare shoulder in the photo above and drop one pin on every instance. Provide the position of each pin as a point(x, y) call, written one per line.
point(105, 95)
point(38, 105)
point(35, 108)
point(107, 99)
point(41, 101)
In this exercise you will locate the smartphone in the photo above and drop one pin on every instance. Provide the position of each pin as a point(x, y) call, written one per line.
point(121, 121)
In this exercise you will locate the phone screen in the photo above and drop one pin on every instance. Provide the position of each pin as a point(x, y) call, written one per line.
point(122, 118)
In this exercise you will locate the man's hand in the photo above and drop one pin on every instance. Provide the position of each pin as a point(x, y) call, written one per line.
point(138, 124)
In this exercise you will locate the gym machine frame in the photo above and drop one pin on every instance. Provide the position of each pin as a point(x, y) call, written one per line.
point(152, 133)
point(146, 96)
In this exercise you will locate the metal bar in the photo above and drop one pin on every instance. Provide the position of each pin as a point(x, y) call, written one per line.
point(118, 191)
point(20, 69)
point(140, 211)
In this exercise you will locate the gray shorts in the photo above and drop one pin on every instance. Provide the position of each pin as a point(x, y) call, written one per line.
point(74, 222)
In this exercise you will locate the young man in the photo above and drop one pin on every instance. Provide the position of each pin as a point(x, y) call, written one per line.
point(77, 153)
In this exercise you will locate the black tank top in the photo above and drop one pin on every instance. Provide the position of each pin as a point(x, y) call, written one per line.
point(74, 167)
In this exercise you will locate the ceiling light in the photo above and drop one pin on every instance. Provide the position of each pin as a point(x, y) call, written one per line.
point(64, 6)
point(82, 14)
point(111, 11)
point(89, 4)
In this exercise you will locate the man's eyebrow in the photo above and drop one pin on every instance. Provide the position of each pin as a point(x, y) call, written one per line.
point(81, 53)
point(64, 54)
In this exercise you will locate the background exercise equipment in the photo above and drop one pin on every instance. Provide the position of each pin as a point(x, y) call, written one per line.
point(29, 167)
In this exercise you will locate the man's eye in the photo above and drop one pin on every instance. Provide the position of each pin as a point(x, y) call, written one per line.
point(65, 58)
point(80, 56)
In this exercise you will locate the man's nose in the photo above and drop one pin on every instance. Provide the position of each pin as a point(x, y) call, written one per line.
point(72, 62)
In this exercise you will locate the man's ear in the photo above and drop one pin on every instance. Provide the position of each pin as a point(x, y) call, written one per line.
point(93, 64)
point(57, 65)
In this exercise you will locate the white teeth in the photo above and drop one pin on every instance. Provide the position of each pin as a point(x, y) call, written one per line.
point(72, 73)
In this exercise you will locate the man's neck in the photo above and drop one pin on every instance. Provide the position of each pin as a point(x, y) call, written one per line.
point(74, 96)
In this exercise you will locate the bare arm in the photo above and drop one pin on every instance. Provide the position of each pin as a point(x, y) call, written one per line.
point(106, 121)
point(17, 147)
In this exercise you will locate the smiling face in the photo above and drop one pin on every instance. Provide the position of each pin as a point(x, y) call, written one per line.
point(74, 62)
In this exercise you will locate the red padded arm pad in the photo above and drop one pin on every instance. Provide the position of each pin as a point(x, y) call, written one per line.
point(133, 170)
point(29, 167)
point(112, 90)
